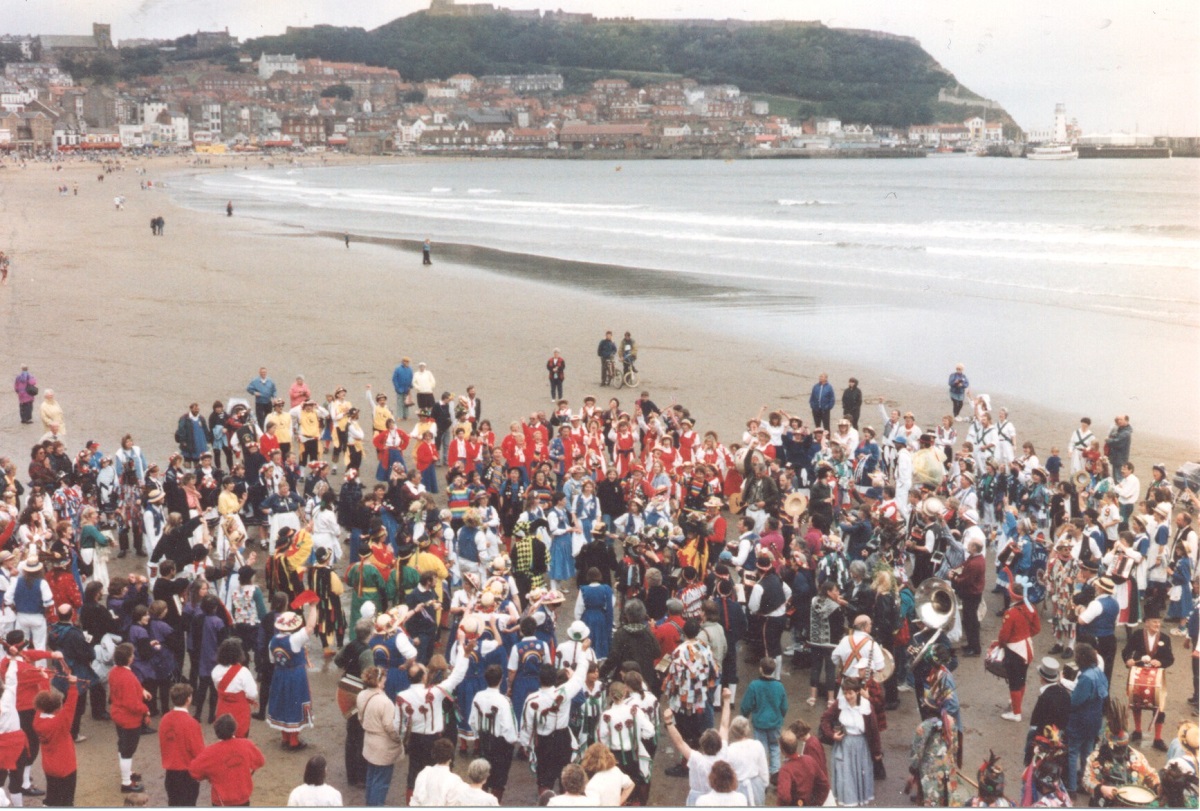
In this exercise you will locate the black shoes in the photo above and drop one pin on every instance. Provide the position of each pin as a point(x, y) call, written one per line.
point(1135, 736)
point(1160, 745)
point(33, 791)
point(132, 788)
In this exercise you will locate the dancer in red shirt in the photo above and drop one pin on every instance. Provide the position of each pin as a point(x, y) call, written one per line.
point(53, 727)
point(228, 765)
point(127, 705)
point(180, 741)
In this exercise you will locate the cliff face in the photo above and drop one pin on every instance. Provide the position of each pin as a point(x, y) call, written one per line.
point(853, 75)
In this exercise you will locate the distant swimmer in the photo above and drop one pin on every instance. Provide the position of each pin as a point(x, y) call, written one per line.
point(426, 252)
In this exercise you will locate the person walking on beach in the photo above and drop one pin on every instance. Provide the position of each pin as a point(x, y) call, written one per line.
point(229, 209)
point(26, 388)
point(821, 401)
point(3, 268)
point(556, 366)
point(426, 252)
point(346, 236)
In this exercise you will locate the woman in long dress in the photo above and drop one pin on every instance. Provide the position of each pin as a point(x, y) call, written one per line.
point(289, 706)
point(851, 728)
point(595, 607)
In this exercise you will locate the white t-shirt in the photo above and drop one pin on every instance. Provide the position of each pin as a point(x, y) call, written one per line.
point(605, 787)
point(713, 798)
point(473, 797)
point(580, 800)
point(700, 764)
point(323, 796)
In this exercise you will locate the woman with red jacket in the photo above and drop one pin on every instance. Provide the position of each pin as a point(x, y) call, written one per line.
point(1021, 624)
point(426, 456)
point(127, 705)
point(53, 727)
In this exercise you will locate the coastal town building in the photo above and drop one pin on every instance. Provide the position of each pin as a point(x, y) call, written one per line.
point(203, 99)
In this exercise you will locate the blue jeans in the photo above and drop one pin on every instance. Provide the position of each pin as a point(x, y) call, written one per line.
point(379, 780)
point(769, 738)
point(1078, 749)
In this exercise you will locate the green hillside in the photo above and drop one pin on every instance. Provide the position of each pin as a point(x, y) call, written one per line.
point(847, 74)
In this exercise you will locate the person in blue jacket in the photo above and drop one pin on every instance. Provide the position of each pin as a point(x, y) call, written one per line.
point(402, 382)
point(1087, 711)
point(821, 401)
point(262, 388)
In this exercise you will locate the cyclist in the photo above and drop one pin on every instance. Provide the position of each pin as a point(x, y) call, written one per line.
point(607, 350)
point(628, 352)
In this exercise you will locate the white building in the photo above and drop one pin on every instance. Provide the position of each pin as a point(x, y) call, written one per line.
point(270, 64)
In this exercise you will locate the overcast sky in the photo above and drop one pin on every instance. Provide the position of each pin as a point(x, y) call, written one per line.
point(1117, 64)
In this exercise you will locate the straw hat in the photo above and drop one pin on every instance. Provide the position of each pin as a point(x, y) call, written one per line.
point(31, 564)
point(289, 621)
point(1162, 509)
point(1105, 585)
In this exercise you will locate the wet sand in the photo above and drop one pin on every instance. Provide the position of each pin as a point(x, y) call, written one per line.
point(128, 328)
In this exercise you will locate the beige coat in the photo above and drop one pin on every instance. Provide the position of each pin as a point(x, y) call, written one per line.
point(380, 718)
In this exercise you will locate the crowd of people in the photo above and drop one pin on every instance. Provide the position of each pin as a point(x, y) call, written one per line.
point(573, 594)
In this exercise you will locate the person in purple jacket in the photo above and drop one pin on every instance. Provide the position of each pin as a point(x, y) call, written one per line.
point(22, 385)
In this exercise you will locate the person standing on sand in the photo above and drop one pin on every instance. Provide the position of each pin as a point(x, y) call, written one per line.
point(556, 366)
point(852, 402)
point(229, 209)
point(26, 388)
point(821, 401)
point(3, 268)
point(402, 382)
point(1117, 446)
point(958, 390)
point(426, 252)
point(263, 390)
point(423, 382)
point(346, 237)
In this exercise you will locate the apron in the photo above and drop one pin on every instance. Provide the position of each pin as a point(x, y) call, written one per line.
point(236, 704)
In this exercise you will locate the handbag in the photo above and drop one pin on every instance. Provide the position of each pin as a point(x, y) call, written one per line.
point(31, 389)
point(1175, 593)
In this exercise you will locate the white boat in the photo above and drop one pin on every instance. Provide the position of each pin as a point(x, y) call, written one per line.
point(1051, 152)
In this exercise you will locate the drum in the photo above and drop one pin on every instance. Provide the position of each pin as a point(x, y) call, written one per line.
point(994, 661)
point(1146, 690)
point(1135, 797)
point(889, 667)
point(347, 694)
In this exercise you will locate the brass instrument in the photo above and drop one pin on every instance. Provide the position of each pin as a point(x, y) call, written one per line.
point(936, 607)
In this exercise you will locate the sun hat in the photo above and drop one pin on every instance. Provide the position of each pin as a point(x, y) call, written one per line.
point(578, 631)
point(289, 621)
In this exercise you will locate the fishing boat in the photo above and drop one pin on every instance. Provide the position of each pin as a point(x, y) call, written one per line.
point(1051, 152)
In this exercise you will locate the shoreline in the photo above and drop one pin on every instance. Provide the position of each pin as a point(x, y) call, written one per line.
point(220, 293)
point(128, 328)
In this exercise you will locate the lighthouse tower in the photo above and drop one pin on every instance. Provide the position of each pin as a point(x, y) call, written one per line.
point(1060, 123)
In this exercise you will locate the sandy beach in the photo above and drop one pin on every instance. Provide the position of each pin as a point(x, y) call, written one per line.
point(128, 328)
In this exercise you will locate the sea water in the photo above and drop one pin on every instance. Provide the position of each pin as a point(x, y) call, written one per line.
point(1072, 284)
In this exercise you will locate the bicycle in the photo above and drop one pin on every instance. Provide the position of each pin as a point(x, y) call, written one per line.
point(608, 372)
point(629, 377)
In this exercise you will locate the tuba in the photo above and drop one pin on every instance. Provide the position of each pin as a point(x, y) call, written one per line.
point(936, 608)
